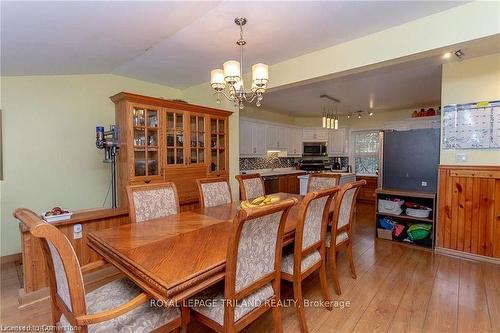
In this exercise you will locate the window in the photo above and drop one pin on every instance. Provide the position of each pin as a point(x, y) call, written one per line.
point(365, 152)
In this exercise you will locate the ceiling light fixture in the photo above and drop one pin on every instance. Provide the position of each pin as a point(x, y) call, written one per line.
point(447, 55)
point(232, 76)
point(358, 113)
point(330, 119)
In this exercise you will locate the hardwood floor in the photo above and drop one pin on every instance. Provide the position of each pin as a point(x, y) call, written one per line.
point(398, 289)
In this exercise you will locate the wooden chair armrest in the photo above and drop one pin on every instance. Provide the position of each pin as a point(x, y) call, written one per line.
point(112, 313)
point(93, 265)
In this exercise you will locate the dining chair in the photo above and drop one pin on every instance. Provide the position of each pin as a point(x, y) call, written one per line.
point(251, 186)
point(214, 192)
point(117, 306)
point(309, 252)
point(321, 181)
point(151, 201)
point(340, 235)
point(252, 280)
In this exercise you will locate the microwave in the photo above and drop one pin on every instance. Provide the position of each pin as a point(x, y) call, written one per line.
point(314, 149)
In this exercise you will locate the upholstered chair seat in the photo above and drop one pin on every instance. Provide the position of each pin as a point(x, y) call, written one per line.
point(341, 228)
point(307, 262)
point(210, 302)
point(252, 276)
point(118, 306)
point(309, 250)
point(214, 192)
point(144, 318)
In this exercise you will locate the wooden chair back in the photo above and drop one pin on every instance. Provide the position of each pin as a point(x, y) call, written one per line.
point(312, 223)
point(254, 252)
point(214, 192)
point(150, 201)
point(63, 268)
point(344, 207)
point(321, 181)
point(251, 186)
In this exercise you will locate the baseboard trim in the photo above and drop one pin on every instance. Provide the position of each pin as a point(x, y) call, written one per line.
point(11, 258)
point(468, 256)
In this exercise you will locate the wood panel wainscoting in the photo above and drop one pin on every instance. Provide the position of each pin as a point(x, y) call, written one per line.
point(34, 275)
point(469, 211)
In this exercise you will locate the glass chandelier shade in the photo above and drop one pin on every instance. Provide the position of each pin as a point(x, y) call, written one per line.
point(231, 77)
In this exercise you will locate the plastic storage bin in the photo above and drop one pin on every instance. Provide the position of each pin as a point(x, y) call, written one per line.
point(390, 207)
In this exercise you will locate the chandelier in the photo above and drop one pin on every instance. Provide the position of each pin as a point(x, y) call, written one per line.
point(330, 119)
point(231, 77)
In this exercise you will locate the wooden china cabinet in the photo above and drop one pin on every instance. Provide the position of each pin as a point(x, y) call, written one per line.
point(163, 140)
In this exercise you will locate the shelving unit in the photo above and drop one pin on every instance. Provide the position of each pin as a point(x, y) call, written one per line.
point(423, 198)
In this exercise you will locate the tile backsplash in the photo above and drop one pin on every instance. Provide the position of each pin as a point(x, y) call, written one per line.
point(272, 161)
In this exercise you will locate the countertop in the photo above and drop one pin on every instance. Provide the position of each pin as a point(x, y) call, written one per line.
point(273, 172)
point(342, 174)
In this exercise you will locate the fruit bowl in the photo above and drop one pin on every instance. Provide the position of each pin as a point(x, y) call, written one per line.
point(259, 201)
point(57, 214)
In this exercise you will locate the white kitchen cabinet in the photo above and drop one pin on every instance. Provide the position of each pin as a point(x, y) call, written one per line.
point(246, 136)
point(337, 143)
point(277, 137)
point(314, 134)
point(295, 142)
point(252, 138)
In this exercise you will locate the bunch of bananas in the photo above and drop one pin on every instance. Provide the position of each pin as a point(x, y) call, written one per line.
point(259, 201)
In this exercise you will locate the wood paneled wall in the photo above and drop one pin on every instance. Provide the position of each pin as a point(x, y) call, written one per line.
point(469, 209)
point(34, 275)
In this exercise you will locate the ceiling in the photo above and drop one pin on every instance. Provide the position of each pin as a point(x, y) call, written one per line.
point(407, 85)
point(177, 43)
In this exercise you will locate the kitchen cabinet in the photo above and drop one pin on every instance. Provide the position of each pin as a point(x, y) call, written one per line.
point(295, 142)
point(314, 134)
point(162, 140)
point(252, 138)
point(337, 143)
point(277, 137)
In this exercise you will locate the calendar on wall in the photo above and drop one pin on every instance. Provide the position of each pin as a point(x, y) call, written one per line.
point(471, 126)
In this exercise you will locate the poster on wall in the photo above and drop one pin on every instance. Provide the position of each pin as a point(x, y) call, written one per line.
point(471, 126)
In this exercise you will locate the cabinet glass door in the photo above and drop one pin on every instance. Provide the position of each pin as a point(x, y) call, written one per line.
point(175, 138)
point(217, 144)
point(145, 123)
point(197, 138)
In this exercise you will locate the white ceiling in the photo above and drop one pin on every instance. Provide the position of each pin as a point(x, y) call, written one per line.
point(177, 43)
point(407, 85)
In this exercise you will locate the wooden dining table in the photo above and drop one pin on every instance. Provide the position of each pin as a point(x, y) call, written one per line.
point(175, 257)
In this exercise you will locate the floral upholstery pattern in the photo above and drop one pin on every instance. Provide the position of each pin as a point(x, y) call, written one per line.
point(321, 183)
point(256, 249)
point(345, 207)
point(61, 279)
point(144, 318)
point(313, 222)
point(340, 238)
point(253, 188)
point(213, 307)
point(154, 203)
point(215, 194)
point(307, 262)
